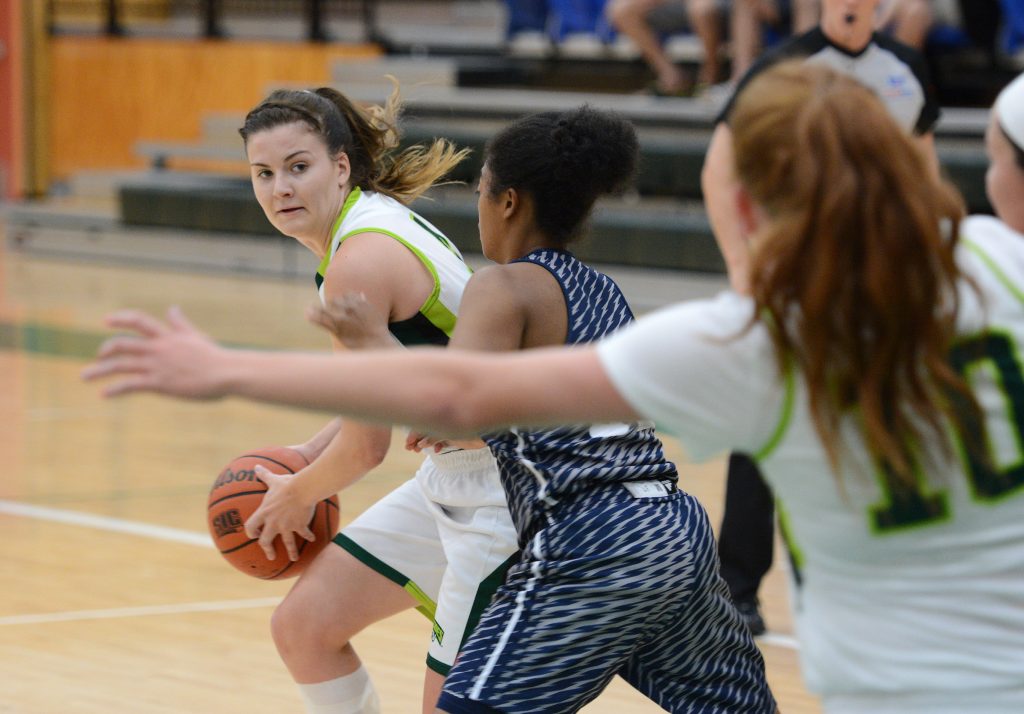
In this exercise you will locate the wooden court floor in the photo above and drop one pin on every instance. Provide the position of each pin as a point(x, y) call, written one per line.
point(112, 598)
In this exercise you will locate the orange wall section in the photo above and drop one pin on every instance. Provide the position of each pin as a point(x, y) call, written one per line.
point(107, 94)
point(11, 100)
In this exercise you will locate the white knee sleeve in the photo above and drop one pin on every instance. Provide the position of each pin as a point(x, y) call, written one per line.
point(351, 694)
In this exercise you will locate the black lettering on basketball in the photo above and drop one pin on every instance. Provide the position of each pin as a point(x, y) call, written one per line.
point(227, 522)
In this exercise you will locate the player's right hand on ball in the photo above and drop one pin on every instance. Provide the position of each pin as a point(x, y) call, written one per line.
point(280, 514)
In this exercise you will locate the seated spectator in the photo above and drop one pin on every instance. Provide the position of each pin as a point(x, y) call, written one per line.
point(908, 21)
point(527, 16)
point(643, 21)
point(747, 21)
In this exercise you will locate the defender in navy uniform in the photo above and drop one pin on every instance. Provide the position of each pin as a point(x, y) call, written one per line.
point(618, 572)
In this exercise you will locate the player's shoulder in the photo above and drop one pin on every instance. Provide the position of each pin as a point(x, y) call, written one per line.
point(989, 235)
point(371, 259)
point(989, 231)
point(518, 281)
point(991, 252)
point(724, 318)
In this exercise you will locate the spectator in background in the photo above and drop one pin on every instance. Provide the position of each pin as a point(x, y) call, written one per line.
point(981, 20)
point(643, 21)
point(909, 21)
point(747, 21)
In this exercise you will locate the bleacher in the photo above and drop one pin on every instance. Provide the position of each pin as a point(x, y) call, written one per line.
point(659, 224)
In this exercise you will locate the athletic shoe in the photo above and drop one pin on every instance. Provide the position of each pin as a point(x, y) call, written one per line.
point(750, 611)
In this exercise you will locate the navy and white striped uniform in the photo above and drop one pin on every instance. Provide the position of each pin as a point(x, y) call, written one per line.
point(618, 573)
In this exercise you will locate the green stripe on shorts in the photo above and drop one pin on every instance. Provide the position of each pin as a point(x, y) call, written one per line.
point(427, 607)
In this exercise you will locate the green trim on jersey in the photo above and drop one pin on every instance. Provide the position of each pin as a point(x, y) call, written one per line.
point(993, 476)
point(994, 267)
point(785, 418)
point(435, 311)
point(796, 553)
point(350, 201)
point(439, 316)
point(443, 240)
point(427, 607)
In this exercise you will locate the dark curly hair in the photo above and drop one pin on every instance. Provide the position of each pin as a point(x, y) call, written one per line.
point(564, 161)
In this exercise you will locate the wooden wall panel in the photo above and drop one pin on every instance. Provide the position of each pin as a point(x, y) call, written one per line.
point(11, 100)
point(109, 93)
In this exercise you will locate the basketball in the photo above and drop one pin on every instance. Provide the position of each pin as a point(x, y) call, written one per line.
point(237, 493)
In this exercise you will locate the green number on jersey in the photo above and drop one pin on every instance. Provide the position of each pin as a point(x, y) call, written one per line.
point(995, 352)
point(905, 506)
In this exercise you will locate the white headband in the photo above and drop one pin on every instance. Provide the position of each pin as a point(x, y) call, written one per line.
point(1009, 109)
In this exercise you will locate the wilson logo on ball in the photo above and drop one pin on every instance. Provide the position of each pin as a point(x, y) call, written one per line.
point(229, 476)
point(227, 522)
point(237, 493)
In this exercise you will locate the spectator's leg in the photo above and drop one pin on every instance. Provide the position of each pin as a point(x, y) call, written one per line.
point(630, 18)
point(981, 20)
point(746, 537)
point(745, 44)
point(707, 24)
point(806, 14)
point(910, 21)
point(526, 16)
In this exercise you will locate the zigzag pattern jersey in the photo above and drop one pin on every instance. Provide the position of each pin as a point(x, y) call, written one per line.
point(619, 570)
point(541, 468)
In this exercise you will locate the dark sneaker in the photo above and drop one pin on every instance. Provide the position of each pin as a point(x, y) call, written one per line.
point(750, 611)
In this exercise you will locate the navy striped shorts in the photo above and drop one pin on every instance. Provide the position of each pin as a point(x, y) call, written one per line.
point(614, 584)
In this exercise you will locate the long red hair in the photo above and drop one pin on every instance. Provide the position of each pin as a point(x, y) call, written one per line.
point(853, 269)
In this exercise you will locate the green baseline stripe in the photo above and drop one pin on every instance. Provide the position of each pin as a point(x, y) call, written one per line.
point(49, 340)
point(46, 340)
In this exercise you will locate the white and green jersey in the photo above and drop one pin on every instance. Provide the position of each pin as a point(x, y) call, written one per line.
point(911, 599)
point(376, 213)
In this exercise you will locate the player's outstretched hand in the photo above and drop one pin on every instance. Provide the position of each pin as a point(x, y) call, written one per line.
point(172, 357)
point(353, 321)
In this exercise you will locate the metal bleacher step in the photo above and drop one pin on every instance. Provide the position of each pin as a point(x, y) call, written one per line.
point(671, 157)
point(648, 232)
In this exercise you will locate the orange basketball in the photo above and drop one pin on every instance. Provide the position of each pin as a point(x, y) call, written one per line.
point(237, 493)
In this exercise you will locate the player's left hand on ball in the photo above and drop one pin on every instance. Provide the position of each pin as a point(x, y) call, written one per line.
point(280, 514)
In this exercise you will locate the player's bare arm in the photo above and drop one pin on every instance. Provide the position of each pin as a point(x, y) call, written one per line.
point(356, 448)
